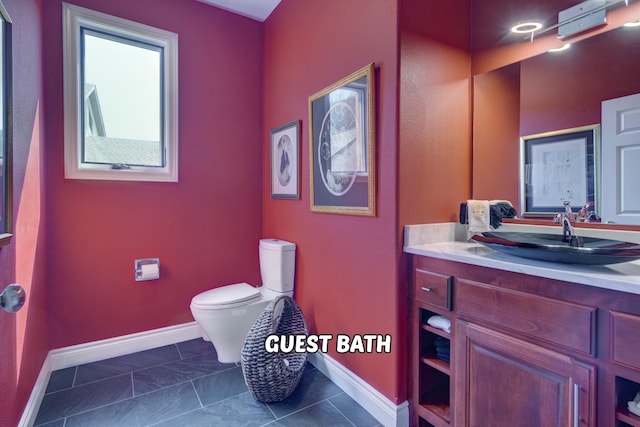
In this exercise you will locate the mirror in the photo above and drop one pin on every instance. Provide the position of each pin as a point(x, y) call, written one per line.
point(545, 93)
point(5, 128)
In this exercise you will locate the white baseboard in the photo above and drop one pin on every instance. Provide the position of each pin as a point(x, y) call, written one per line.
point(33, 404)
point(119, 346)
point(384, 410)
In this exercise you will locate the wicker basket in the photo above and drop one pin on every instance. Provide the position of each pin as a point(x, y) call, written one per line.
point(272, 377)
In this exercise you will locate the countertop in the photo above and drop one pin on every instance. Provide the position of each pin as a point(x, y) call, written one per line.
point(448, 241)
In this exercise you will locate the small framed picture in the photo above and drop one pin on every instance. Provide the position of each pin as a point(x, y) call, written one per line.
point(285, 161)
point(342, 146)
point(557, 167)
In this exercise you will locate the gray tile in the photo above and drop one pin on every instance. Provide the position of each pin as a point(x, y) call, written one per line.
point(222, 385)
point(239, 411)
point(61, 379)
point(57, 423)
point(353, 411)
point(195, 347)
point(177, 372)
point(128, 363)
point(74, 400)
point(143, 410)
point(320, 414)
point(313, 387)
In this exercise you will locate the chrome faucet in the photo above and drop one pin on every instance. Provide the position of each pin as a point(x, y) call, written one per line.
point(568, 232)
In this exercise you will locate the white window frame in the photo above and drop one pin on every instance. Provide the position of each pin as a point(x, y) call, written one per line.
point(75, 18)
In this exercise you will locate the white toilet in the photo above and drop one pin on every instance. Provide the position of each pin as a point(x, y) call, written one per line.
point(226, 314)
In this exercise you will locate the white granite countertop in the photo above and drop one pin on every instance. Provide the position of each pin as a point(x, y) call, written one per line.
point(449, 241)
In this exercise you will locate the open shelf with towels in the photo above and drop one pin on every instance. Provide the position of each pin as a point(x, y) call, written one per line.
point(627, 391)
point(433, 372)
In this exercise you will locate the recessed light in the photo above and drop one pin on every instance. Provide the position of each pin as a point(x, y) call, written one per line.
point(633, 24)
point(526, 27)
point(561, 48)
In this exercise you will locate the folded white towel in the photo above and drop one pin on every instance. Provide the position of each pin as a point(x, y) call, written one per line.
point(478, 216)
point(440, 322)
point(634, 406)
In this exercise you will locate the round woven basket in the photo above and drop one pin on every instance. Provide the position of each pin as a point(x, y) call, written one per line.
point(272, 377)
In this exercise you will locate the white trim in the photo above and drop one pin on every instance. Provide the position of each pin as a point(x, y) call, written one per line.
point(75, 17)
point(33, 404)
point(384, 410)
point(113, 347)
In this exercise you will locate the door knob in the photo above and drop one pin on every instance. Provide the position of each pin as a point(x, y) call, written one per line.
point(12, 298)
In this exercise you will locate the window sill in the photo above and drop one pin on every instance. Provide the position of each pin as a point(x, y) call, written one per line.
point(5, 239)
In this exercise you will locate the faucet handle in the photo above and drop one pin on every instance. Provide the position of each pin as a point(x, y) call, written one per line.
point(583, 213)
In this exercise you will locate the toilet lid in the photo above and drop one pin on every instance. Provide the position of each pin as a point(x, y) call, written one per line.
point(224, 295)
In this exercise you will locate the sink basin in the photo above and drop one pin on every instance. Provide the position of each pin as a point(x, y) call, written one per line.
point(551, 247)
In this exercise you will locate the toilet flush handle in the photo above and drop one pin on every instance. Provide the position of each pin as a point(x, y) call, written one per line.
point(12, 298)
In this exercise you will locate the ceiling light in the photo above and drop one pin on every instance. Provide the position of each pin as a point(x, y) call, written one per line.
point(561, 48)
point(633, 24)
point(526, 27)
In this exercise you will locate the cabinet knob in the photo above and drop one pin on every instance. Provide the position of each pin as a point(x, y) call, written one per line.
point(426, 289)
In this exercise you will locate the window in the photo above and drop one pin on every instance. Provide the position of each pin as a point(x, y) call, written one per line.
point(120, 98)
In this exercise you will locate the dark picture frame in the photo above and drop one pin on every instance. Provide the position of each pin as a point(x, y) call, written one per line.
point(342, 146)
point(285, 161)
point(559, 166)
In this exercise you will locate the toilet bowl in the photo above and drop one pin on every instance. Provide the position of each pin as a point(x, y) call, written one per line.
point(225, 314)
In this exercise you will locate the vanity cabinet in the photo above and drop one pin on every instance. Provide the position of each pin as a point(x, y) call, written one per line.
point(503, 381)
point(525, 350)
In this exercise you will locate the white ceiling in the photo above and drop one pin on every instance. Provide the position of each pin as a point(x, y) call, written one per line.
point(254, 9)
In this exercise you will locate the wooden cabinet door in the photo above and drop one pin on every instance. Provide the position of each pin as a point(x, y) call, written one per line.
point(501, 381)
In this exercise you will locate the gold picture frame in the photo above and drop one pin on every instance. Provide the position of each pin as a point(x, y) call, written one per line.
point(342, 146)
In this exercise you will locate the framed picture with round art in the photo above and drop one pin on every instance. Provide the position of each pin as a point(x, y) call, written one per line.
point(342, 146)
point(285, 164)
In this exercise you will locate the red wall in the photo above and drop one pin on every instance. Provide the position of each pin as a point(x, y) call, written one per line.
point(347, 266)
point(566, 90)
point(435, 111)
point(25, 334)
point(205, 228)
point(496, 132)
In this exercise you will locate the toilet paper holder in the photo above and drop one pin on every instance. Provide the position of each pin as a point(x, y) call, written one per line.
point(147, 269)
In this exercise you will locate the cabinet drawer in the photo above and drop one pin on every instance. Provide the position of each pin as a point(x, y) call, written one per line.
point(624, 333)
point(561, 323)
point(434, 288)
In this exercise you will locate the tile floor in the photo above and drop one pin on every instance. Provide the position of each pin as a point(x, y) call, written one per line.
point(184, 385)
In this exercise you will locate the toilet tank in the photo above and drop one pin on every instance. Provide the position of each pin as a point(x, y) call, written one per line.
point(277, 264)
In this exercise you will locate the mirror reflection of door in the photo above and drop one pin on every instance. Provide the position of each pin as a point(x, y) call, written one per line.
point(621, 160)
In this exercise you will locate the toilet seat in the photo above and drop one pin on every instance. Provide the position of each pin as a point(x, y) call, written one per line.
point(228, 296)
